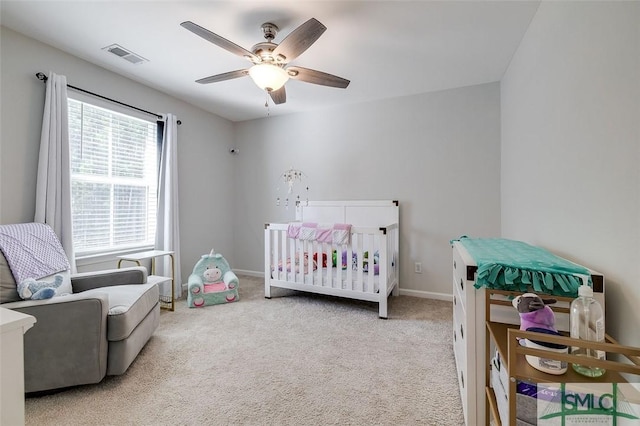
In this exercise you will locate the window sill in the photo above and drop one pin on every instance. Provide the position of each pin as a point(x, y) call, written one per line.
point(83, 260)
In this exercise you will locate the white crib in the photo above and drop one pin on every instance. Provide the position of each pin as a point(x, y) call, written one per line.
point(365, 269)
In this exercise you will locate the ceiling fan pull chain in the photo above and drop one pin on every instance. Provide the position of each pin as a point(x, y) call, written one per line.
point(266, 103)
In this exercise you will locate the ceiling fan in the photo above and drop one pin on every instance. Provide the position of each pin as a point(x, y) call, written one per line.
point(271, 69)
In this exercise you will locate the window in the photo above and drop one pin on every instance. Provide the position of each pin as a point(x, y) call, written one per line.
point(114, 178)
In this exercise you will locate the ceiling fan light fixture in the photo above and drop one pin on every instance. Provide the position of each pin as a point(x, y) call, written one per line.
point(268, 76)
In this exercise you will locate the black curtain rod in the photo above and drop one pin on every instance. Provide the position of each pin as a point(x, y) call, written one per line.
point(44, 78)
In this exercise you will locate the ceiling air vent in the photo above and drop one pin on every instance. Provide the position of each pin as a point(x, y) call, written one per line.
point(123, 53)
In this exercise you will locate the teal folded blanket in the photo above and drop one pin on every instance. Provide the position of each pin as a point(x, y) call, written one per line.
point(515, 265)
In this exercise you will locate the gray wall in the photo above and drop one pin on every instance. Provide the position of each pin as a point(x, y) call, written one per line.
point(571, 145)
point(204, 140)
point(565, 175)
point(437, 153)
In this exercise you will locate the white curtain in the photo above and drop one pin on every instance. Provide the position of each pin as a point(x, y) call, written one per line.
point(53, 187)
point(168, 230)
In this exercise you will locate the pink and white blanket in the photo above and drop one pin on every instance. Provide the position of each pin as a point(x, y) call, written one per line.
point(337, 233)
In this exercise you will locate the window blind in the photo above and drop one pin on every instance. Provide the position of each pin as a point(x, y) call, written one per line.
point(114, 175)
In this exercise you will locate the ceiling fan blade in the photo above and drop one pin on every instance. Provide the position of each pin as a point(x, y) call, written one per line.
point(317, 77)
point(278, 96)
point(224, 76)
point(298, 41)
point(219, 41)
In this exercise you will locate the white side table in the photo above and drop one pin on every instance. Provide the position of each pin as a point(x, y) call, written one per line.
point(166, 302)
point(13, 325)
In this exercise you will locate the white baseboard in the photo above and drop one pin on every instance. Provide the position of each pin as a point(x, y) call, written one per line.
point(404, 292)
point(426, 294)
point(257, 274)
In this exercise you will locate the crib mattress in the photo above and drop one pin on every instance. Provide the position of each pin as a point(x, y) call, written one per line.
point(310, 279)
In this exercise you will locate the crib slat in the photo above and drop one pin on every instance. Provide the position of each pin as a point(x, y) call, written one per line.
point(318, 253)
point(278, 262)
point(329, 269)
point(371, 262)
point(274, 253)
point(366, 246)
point(350, 250)
point(304, 267)
point(308, 258)
point(293, 247)
point(359, 257)
point(339, 270)
point(309, 250)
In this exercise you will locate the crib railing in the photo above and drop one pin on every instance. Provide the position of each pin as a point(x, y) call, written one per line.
point(370, 257)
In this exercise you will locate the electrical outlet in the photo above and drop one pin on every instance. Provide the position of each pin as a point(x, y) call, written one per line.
point(418, 268)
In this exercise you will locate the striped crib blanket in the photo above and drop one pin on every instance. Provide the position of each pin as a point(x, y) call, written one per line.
point(337, 233)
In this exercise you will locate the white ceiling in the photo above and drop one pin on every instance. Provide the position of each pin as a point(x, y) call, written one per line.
point(386, 48)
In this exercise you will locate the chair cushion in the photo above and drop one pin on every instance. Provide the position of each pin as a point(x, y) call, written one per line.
point(128, 306)
point(8, 290)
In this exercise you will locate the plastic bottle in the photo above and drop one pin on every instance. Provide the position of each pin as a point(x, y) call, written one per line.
point(587, 323)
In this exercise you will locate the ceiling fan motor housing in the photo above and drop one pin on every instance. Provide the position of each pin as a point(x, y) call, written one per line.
point(264, 51)
point(269, 30)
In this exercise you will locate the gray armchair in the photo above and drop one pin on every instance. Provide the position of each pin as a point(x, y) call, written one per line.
point(81, 337)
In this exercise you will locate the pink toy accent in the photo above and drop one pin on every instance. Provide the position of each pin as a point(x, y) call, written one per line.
point(230, 297)
point(214, 287)
point(199, 302)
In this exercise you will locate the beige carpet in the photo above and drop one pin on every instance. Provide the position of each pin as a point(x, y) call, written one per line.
point(296, 359)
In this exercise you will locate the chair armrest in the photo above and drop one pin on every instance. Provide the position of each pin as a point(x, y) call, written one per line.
point(230, 279)
point(67, 346)
point(195, 281)
point(90, 280)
